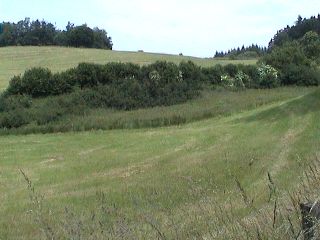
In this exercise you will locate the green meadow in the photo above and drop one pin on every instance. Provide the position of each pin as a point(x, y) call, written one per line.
point(157, 183)
point(225, 165)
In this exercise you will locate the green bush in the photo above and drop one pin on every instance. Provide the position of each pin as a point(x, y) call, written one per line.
point(300, 75)
point(36, 82)
point(252, 72)
point(87, 74)
point(240, 79)
point(61, 83)
point(15, 86)
point(213, 74)
point(113, 72)
point(227, 82)
point(48, 112)
point(14, 118)
point(14, 102)
point(190, 72)
point(231, 69)
point(294, 66)
point(268, 76)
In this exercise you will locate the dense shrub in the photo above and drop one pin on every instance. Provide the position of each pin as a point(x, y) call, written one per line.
point(61, 83)
point(310, 43)
point(301, 75)
point(14, 102)
point(191, 73)
point(213, 74)
point(227, 81)
point(87, 74)
point(293, 65)
point(289, 53)
point(252, 73)
point(15, 86)
point(127, 86)
point(36, 82)
point(112, 72)
point(231, 70)
point(50, 111)
point(14, 118)
point(240, 80)
point(268, 77)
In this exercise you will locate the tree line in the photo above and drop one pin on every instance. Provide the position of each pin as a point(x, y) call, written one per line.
point(295, 52)
point(253, 51)
point(297, 31)
point(42, 33)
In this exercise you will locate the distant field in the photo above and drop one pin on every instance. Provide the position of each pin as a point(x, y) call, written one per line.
point(170, 180)
point(15, 60)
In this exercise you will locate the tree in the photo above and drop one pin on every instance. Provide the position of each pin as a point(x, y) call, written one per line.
point(39, 33)
point(7, 36)
point(101, 39)
point(297, 31)
point(81, 36)
point(293, 64)
point(311, 45)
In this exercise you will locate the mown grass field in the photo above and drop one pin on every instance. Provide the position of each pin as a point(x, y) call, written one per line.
point(157, 183)
point(15, 60)
point(204, 168)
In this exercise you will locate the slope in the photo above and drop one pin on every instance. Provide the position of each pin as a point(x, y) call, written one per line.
point(15, 60)
point(162, 177)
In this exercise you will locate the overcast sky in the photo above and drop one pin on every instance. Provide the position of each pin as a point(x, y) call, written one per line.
point(193, 27)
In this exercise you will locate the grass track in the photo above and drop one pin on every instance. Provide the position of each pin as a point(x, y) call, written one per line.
point(136, 167)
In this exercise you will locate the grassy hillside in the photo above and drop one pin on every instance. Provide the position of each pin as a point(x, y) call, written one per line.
point(165, 183)
point(212, 103)
point(15, 60)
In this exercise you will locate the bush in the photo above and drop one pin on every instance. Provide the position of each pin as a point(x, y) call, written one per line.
point(61, 83)
point(88, 74)
point(14, 102)
point(190, 72)
point(294, 67)
point(112, 72)
point(213, 74)
point(268, 76)
point(227, 81)
point(166, 83)
point(36, 82)
point(48, 112)
point(231, 69)
point(300, 75)
point(15, 86)
point(14, 118)
point(240, 79)
point(253, 74)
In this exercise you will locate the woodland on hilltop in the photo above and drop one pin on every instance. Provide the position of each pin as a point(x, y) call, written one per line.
point(42, 33)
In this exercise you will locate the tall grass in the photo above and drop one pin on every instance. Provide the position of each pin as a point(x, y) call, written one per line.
point(237, 217)
point(212, 103)
point(204, 180)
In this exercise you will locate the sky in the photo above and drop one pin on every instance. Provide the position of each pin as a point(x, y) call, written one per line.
point(192, 27)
